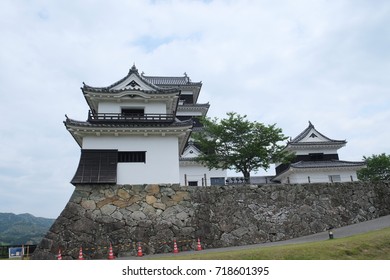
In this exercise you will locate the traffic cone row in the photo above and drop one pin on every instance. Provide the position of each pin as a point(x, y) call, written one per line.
point(81, 256)
point(139, 251)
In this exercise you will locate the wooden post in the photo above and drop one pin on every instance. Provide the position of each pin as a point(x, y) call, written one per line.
point(185, 180)
point(205, 180)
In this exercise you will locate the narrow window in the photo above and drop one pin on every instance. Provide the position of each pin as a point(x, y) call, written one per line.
point(132, 157)
point(193, 183)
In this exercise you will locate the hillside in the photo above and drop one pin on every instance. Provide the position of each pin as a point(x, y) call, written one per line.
point(22, 229)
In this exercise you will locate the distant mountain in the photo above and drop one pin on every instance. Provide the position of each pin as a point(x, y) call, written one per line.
point(22, 229)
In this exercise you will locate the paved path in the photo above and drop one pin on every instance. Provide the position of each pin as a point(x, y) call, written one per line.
point(350, 230)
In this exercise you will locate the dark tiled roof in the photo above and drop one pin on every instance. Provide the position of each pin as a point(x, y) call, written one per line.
point(170, 81)
point(198, 108)
point(110, 90)
point(71, 122)
point(157, 82)
point(197, 105)
point(326, 164)
point(133, 70)
point(304, 133)
point(328, 143)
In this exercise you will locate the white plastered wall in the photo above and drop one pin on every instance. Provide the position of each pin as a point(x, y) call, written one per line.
point(116, 108)
point(313, 151)
point(302, 177)
point(162, 163)
point(197, 173)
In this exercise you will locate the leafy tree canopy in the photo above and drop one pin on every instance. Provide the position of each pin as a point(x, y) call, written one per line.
point(378, 168)
point(239, 144)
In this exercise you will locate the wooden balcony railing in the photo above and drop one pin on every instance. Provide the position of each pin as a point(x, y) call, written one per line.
point(130, 118)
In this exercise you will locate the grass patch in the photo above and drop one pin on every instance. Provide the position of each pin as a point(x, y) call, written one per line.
point(374, 245)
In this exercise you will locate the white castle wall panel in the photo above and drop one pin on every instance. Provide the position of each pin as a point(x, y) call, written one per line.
point(162, 161)
point(313, 151)
point(196, 173)
point(320, 176)
point(116, 108)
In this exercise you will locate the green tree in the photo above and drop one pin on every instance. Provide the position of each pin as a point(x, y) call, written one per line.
point(378, 168)
point(238, 144)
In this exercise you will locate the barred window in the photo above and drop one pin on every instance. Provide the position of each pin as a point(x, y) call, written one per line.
point(132, 157)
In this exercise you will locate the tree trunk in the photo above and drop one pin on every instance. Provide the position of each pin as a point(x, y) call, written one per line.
point(247, 176)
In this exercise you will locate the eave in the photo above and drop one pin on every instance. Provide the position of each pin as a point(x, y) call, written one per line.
point(190, 162)
point(199, 108)
point(315, 145)
point(171, 98)
point(183, 83)
point(299, 139)
point(133, 71)
point(79, 130)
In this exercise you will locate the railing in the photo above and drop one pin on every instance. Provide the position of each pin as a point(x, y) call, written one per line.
point(137, 118)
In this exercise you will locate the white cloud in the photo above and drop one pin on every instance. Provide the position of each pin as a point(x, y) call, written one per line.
point(283, 62)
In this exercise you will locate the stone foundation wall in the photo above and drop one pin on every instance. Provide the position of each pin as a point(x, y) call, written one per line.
point(97, 215)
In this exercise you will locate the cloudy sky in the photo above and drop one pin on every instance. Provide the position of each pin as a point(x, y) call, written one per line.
point(283, 62)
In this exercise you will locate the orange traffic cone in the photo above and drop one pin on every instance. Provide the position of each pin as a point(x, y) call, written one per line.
point(139, 253)
point(59, 256)
point(175, 249)
point(111, 253)
point(81, 257)
point(199, 248)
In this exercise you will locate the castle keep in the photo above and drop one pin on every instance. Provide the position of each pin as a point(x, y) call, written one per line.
point(137, 132)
